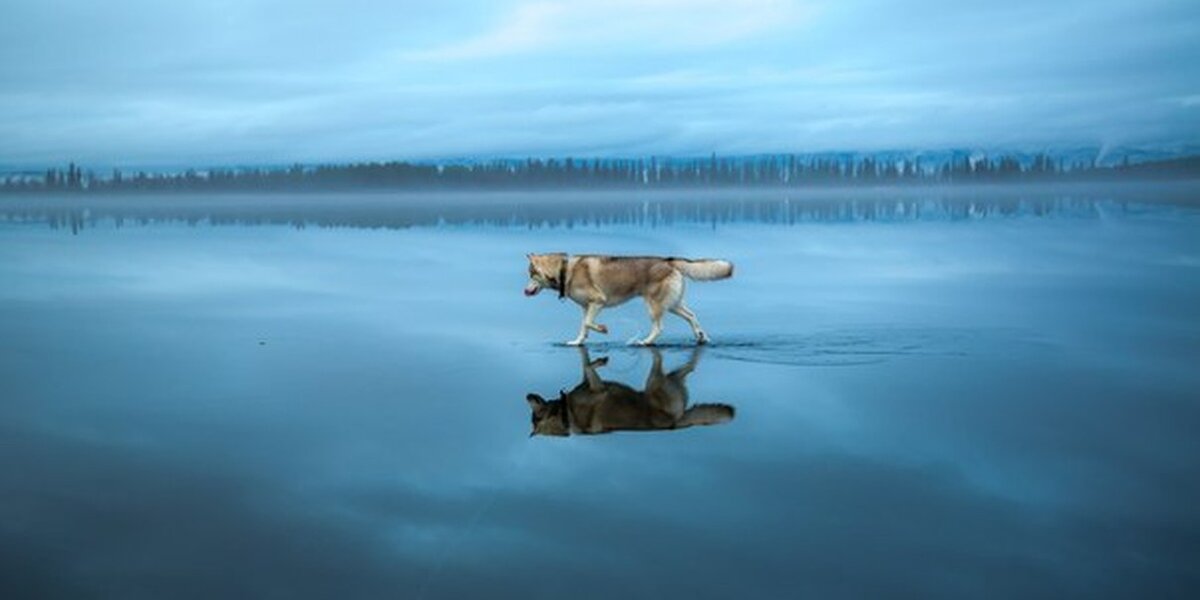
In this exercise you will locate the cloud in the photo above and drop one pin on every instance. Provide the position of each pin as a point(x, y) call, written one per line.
point(154, 84)
point(589, 25)
point(528, 28)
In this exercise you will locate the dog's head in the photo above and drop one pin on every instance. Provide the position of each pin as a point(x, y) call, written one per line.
point(549, 418)
point(545, 271)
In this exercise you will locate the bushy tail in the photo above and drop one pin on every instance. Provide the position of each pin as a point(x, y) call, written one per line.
point(707, 414)
point(705, 269)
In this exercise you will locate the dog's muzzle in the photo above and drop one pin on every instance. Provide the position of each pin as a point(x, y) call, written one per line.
point(532, 289)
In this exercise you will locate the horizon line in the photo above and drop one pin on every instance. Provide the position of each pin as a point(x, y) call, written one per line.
point(1101, 151)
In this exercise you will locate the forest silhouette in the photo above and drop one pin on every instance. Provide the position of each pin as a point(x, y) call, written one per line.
point(788, 171)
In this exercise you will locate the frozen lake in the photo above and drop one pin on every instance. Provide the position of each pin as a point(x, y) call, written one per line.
point(934, 394)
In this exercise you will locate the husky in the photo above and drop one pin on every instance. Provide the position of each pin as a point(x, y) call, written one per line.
point(599, 406)
point(595, 282)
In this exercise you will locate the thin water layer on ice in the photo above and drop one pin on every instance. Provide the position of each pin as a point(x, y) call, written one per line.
point(1000, 404)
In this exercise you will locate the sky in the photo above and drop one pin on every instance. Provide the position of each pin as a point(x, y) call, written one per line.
point(221, 82)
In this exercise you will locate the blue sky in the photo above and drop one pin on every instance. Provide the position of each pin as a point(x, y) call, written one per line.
point(141, 82)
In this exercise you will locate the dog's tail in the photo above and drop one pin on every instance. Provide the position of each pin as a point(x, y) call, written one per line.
point(703, 269)
point(707, 414)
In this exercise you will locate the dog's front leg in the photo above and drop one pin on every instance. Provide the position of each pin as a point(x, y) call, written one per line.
point(590, 376)
point(589, 315)
point(593, 311)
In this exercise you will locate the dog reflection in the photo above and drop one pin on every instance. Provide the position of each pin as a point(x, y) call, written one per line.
point(599, 406)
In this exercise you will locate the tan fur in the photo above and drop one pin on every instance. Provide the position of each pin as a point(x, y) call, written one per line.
point(600, 406)
point(596, 282)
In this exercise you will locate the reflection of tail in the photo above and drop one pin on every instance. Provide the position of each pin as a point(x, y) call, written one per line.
point(703, 269)
point(707, 414)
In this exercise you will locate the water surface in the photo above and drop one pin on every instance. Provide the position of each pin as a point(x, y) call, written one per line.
point(931, 394)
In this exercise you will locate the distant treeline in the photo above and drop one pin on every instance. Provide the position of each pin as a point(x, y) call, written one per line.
point(765, 171)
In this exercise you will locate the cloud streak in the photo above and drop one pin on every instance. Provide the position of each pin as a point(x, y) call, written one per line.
point(592, 26)
point(268, 82)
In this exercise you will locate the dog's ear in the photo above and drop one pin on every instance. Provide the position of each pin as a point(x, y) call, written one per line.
point(535, 401)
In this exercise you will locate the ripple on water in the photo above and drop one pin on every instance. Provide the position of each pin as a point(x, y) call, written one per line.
point(839, 347)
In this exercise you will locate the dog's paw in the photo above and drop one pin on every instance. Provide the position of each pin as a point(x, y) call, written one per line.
point(602, 328)
point(702, 339)
point(573, 343)
point(599, 362)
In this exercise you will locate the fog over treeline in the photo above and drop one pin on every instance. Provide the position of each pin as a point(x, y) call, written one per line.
point(783, 170)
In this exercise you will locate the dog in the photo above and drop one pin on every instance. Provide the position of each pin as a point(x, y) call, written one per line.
point(595, 282)
point(600, 406)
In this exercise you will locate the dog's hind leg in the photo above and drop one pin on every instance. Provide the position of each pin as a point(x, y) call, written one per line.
point(665, 294)
point(680, 374)
point(687, 315)
point(656, 313)
point(656, 369)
